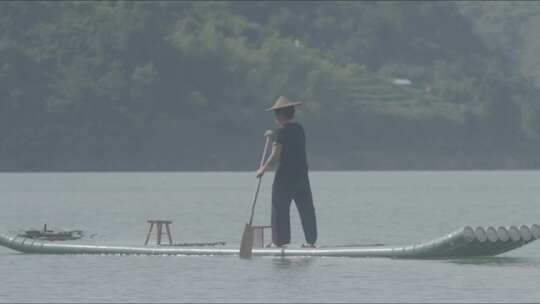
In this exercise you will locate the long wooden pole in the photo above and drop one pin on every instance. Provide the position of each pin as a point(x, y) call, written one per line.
point(246, 244)
point(259, 182)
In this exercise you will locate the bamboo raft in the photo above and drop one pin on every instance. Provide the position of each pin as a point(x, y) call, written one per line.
point(465, 242)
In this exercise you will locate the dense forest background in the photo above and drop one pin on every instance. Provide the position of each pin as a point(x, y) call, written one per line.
point(183, 85)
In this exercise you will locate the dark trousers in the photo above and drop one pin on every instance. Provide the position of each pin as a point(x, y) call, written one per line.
point(282, 195)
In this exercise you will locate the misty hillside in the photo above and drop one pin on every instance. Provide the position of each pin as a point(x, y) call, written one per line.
point(183, 85)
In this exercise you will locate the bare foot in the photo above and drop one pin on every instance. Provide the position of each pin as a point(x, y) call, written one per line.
point(272, 245)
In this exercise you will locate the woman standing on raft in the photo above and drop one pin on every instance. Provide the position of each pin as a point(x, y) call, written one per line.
point(291, 180)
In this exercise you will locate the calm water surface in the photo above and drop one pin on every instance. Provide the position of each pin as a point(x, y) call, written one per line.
point(353, 207)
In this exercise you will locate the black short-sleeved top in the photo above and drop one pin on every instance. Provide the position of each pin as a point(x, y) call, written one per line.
point(292, 165)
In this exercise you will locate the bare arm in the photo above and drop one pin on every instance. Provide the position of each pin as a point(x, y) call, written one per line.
point(274, 157)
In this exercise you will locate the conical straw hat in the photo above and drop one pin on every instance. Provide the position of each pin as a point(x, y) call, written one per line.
point(283, 102)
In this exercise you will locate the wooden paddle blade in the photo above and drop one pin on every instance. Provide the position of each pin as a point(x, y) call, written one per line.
point(246, 244)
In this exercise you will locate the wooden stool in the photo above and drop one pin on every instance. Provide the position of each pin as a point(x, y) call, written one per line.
point(258, 239)
point(159, 232)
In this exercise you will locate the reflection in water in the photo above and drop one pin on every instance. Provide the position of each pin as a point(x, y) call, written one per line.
point(497, 261)
point(291, 262)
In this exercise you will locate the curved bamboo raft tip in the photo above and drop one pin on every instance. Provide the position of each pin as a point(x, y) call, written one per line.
point(464, 242)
